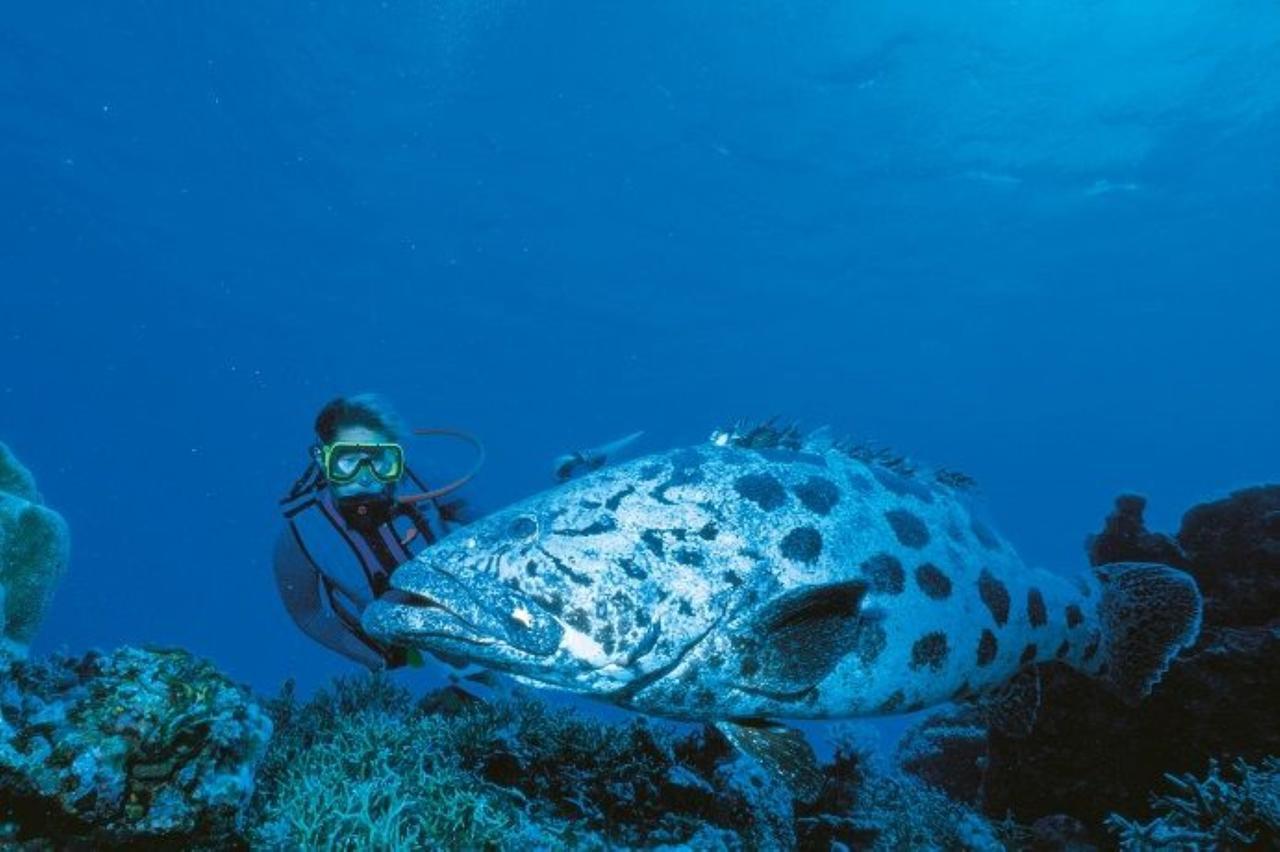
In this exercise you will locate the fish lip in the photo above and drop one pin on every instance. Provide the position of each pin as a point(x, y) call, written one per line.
point(404, 597)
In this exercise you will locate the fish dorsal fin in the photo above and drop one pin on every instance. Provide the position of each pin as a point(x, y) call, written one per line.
point(1012, 706)
point(783, 752)
point(803, 635)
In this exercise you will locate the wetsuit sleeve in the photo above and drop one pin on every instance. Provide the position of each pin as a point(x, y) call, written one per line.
point(299, 582)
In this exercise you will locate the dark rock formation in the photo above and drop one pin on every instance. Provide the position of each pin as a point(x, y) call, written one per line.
point(1233, 550)
point(1125, 538)
point(1088, 753)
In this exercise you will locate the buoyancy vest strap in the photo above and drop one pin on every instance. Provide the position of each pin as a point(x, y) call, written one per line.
point(365, 554)
point(449, 488)
point(305, 485)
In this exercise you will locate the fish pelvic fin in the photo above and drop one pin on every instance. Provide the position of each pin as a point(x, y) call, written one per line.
point(783, 752)
point(1148, 613)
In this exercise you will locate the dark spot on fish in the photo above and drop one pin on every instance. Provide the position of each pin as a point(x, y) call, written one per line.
point(613, 502)
point(689, 556)
point(1036, 613)
point(651, 471)
point(987, 646)
point(642, 617)
point(1092, 648)
point(579, 620)
point(870, 641)
point(705, 697)
point(818, 495)
point(749, 666)
point(531, 568)
point(632, 570)
point(580, 579)
point(762, 489)
point(589, 504)
point(995, 596)
point(715, 661)
point(933, 582)
point(652, 539)
point(732, 578)
point(599, 527)
point(908, 527)
point(902, 485)
point(984, 535)
point(893, 702)
point(962, 692)
point(913, 707)
point(681, 476)
point(708, 532)
point(685, 607)
point(884, 574)
point(1063, 649)
point(1074, 615)
point(929, 650)
point(1028, 654)
point(606, 639)
point(802, 544)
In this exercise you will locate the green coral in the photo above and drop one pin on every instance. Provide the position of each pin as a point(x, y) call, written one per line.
point(1236, 809)
point(148, 746)
point(358, 767)
point(34, 548)
point(365, 763)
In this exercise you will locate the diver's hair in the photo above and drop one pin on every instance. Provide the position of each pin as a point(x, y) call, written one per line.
point(366, 409)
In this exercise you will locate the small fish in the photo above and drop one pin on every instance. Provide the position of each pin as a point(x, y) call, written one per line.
point(771, 575)
point(579, 462)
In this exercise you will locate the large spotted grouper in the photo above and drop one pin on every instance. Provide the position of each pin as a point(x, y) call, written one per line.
point(770, 575)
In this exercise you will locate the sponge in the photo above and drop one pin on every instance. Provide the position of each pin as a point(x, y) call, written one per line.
point(34, 549)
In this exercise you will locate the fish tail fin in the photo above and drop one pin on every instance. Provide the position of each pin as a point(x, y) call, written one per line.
point(1148, 613)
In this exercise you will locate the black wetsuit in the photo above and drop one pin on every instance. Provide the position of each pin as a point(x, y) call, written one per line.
point(326, 600)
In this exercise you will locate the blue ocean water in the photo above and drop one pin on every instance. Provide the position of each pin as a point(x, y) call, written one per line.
point(1034, 241)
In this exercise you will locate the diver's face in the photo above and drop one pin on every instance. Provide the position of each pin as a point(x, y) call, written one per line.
point(365, 484)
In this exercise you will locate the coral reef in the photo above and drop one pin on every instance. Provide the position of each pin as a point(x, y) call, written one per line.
point(1238, 810)
point(138, 746)
point(1089, 753)
point(367, 763)
point(34, 546)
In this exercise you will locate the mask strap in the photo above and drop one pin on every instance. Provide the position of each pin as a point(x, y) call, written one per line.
point(465, 437)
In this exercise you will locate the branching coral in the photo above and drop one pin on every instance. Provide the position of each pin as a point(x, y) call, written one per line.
point(1219, 811)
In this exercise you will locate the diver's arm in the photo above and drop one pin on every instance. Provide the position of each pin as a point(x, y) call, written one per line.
point(298, 580)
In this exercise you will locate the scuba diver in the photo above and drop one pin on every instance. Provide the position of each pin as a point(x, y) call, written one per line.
point(347, 527)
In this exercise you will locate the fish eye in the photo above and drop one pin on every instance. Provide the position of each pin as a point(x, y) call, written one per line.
point(523, 527)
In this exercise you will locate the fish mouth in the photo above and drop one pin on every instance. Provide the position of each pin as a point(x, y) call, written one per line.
point(412, 616)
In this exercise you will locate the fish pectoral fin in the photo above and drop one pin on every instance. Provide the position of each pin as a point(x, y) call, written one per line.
point(803, 635)
point(783, 752)
point(1012, 706)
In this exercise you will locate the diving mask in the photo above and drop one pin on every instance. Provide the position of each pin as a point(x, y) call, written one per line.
point(342, 460)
